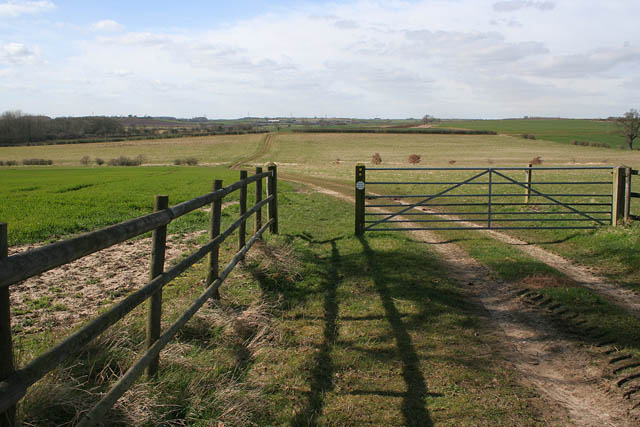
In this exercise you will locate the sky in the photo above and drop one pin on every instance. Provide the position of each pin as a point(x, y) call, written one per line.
point(360, 58)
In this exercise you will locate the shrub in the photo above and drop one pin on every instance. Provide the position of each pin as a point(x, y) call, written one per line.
point(99, 161)
point(1, 163)
point(11, 163)
point(591, 144)
point(36, 162)
point(190, 161)
point(85, 160)
point(126, 161)
point(376, 159)
point(414, 159)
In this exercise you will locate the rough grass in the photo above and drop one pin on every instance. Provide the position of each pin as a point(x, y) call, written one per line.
point(318, 327)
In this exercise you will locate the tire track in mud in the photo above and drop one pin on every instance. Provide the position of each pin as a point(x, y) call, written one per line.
point(563, 371)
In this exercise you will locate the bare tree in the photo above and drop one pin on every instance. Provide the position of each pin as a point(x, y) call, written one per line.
point(629, 126)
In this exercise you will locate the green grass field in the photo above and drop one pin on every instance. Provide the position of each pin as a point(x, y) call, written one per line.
point(48, 203)
point(558, 130)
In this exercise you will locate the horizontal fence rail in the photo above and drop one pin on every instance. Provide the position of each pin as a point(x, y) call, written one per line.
point(15, 383)
point(467, 198)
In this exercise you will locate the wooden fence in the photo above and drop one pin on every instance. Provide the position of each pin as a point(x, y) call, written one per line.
point(13, 269)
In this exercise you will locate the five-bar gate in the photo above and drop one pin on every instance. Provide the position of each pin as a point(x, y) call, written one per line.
point(502, 198)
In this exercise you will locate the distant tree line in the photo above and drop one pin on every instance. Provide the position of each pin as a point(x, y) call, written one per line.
point(23, 129)
point(20, 129)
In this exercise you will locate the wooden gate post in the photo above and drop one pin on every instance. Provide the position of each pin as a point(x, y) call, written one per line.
point(529, 173)
point(617, 207)
point(242, 235)
point(258, 218)
point(8, 418)
point(627, 195)
point(214, 231)
point(360, 184)
point(272, 190)
point(154, 315)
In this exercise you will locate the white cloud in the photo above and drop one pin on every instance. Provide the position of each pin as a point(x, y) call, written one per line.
point(589, 63)
point(513, 5)
point(107, 25)
point(16, 54)
point(361, 58)
point(13, 8)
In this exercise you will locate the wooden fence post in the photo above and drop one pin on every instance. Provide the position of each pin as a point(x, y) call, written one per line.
point(8, 418)
point(154, 315)
point(258, 218)
point(242, 235)
point(214, 231)
point(617, 208)
point(272, 190)
point(627, 195)
point(529, 173)
point(360, 183)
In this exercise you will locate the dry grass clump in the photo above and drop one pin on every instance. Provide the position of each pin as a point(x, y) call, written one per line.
point(280, 262)
point(69, 391)
point(376, 159)
point(452, 162)
point(542, 280)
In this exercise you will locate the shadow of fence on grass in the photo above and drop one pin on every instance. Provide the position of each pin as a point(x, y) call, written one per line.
point(413, 400)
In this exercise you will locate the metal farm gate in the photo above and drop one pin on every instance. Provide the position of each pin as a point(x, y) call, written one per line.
point(509, 198)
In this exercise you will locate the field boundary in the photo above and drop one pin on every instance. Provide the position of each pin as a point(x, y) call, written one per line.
point(15, 268)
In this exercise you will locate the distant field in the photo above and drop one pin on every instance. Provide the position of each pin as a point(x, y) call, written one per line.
point(335, 155)
point(558, 130)
point(216, 150)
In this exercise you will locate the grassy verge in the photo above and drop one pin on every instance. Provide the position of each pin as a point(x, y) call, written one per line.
point(319, 327)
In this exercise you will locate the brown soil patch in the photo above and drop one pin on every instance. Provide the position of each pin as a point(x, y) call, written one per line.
point(75, 292)
point(63, 297)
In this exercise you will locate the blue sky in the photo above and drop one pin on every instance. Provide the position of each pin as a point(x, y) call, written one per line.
point(361, 58)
